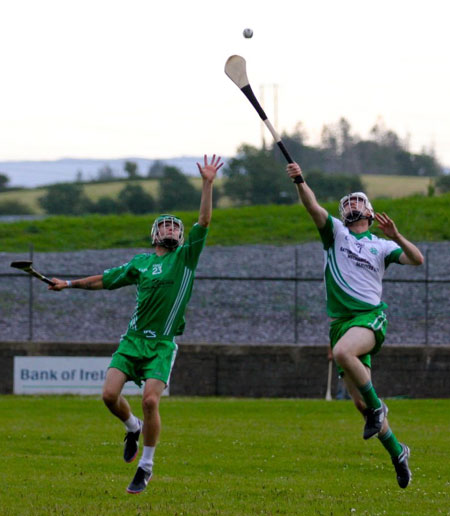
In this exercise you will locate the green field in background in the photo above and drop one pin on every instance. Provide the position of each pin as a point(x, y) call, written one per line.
point(62, 455)
point(376, 186)
point(418, 218)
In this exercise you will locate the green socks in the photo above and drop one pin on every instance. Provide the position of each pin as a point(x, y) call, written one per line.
point(370, 396)
point(389, 441)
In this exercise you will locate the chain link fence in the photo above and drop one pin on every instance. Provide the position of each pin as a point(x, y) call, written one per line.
point(242, 295)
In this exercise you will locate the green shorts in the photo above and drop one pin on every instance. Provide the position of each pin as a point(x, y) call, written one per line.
point(140, 358)
point(375, 321)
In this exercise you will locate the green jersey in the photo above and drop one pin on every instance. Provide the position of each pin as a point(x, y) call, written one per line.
point(163, 286)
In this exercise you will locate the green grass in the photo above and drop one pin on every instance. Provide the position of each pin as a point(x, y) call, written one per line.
point(62, 456)
point(418, 218)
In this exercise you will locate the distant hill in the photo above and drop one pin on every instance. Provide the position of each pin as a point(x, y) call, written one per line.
point(30, 174)
point(39, 173)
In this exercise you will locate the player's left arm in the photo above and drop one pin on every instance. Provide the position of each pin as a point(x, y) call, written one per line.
point(208, 172)
point(411, 254)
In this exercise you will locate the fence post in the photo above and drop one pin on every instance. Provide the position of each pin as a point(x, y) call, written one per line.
point(30, 301)
point(427, 282)
point(296, 296)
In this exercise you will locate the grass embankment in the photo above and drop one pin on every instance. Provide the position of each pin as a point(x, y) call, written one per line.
point(418, 218)
point(221, 457)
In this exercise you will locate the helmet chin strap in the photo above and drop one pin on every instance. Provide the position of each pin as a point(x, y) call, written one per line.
point(168, 243)
point(360, 216)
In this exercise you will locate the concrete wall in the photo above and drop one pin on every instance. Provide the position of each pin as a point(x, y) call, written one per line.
point(265, 371)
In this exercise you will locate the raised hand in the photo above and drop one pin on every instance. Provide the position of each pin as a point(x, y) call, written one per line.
point(387, 225)
point(209, 170)
point(293, 170)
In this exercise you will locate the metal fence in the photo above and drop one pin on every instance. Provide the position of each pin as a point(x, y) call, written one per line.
point(225, 309)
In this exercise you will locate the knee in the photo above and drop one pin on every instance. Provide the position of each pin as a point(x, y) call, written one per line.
point(150, 402)
point(340, 355)
point(109, 397)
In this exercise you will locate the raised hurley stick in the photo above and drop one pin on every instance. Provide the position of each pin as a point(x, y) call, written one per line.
point(235, 68)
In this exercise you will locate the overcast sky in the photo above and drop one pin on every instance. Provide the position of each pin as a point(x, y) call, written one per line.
point(108, 79)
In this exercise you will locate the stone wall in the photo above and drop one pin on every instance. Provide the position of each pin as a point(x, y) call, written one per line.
point(230, 302)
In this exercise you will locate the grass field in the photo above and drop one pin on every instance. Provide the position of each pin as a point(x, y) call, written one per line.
point(418, 218)
point(381, 186)
point(62, 456)
point(94, 191)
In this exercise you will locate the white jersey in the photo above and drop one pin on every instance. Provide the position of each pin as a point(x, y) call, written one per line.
point(354, 268)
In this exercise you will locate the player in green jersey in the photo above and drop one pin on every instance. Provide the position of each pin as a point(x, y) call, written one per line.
point(147, 351)
point(355, 262)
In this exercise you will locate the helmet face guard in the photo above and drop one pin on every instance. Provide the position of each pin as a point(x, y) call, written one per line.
point(162, 240)
point(354, 206)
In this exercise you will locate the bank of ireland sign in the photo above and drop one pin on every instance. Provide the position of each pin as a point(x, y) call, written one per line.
point(63, 375)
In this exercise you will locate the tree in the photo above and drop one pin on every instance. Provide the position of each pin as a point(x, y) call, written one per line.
point(176, 192)
point(443, 183)
point(79, 176)
point(329, 145)
point(130, 168)
point(332, 187)
point(107, 205)
point(14, 207)
point(105, 173)
point(136, 200)
point(255, 177)
point(65, 199)
point(308, 156)
point(156, 169)
point(4, 180)
point(426, 165)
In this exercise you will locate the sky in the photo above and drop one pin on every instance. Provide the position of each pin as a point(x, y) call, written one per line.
point(112, 79)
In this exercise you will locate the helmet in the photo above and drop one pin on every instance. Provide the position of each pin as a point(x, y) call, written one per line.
point(357, 213)
point(169, 243)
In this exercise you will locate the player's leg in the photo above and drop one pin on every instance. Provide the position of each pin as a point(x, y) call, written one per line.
point(150, 405)
point(355, 394)
point(119, 406)
point(399, 452)
point(156, 372)
point(358, 341)
point(153, 390)
point(355, 342)
point(112, 398)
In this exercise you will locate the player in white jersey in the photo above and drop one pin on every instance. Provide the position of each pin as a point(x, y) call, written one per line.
point(355, 262)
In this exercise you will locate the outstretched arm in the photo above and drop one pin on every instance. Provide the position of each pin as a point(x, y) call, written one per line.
point(208, 172)
point(411, 254)
point(306, 195)
point(89, 283)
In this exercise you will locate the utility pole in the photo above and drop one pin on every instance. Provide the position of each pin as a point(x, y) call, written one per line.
point(275, 109)
point(261, 96)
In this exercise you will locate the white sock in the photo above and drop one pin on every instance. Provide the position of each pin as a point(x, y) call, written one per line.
point(132, 424)
point(146, 461)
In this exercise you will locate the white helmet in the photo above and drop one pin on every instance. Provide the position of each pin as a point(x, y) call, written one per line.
point(169, 243)
point(357, 213)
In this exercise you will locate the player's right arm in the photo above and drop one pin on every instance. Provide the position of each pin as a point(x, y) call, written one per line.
point(88, 283)
point(318, 214)
point(116, 277)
